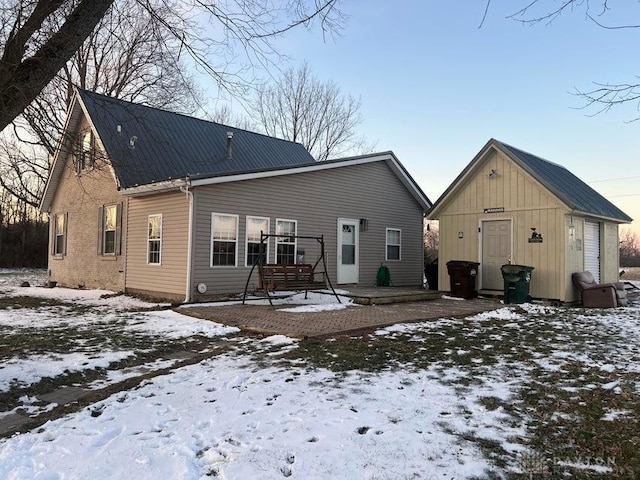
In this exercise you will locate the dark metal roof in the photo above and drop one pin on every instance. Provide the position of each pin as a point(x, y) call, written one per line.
point(576, 194)
point(148, 145)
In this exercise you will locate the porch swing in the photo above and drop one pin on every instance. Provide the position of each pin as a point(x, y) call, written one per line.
point(290, 276)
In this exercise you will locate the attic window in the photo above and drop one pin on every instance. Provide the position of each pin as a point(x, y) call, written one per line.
point(85, 154)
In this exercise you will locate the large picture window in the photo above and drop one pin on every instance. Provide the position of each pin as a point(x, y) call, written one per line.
point(393, 243)
point(224, 240)
point(255, 225)
point(154, 240)
point(286, 246)
point(60, 234)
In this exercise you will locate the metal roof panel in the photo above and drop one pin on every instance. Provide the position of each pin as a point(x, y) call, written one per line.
point(148, 145)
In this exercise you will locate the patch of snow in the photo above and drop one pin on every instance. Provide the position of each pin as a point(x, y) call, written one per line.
point(277, 340)
point(175, 325)
point(449, 297)
point(586, 466)
point(104, 298)
point(221, 419)
point(505, 313)
point(315, 308)
point(115, 376)
point(316, 300)
point(405, 328)
point(25, 371)
point(612, 415)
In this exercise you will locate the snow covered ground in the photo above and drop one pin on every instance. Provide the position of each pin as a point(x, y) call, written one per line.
point(446, 401)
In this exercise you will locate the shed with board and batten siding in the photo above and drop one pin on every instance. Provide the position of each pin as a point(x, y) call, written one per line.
point(509, 206)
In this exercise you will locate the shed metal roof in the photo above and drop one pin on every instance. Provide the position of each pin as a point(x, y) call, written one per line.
point(148, 145)
point(573, 192)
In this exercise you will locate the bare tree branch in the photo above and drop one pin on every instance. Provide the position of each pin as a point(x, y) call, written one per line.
point(21, 82)
point(606, 95)
point(301, 108)
point(40, 36)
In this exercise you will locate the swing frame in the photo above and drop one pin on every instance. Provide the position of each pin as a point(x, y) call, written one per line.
point(299, 271)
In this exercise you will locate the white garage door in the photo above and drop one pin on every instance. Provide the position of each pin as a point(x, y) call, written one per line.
point(592, 249)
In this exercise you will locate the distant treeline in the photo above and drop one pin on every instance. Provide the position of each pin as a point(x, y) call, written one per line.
point(628, 261)
point(24, 244)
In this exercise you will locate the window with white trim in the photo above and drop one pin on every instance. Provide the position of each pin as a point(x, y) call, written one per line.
point(110, 229)
point(85, 152)
point(154, 239)
point(286, 246)
point(224, 240)
point(394, 236)
point(60, 231)
point(255, 226)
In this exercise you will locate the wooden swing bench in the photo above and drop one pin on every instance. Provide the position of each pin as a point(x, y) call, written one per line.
point(291, 277)
point(301, 276)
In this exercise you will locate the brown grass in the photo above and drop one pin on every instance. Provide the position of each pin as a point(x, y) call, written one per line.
point(631, 273)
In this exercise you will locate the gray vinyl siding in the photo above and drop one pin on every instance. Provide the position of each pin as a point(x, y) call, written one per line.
point(168, 279)
point(316, 200)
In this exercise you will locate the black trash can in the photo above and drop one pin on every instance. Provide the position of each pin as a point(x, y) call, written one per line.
point(516, 283)
point(462, 275)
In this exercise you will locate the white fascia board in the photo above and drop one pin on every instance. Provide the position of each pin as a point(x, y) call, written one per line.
point(58, 157)
point(96, 135)
point(159, 187)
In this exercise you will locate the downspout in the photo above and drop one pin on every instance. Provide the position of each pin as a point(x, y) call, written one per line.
point(185, 189)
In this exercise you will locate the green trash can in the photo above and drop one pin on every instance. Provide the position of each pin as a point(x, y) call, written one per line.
point(516, 283)
point(462, 276)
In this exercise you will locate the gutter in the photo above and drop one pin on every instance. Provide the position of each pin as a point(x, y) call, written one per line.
point(185, 189)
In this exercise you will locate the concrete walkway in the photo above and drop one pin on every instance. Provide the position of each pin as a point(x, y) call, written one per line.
point(273, 320)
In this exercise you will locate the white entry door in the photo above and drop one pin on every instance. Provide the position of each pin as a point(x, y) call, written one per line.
point(348, 265)
point(496, 251)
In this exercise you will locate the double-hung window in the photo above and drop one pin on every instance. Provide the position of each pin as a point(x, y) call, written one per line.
point(393, 244)
point(224, 240)
point(110, 229)
point(60, 234)
point(85, 152)
point(255, 226)
point(286, 242)
point(154, 239)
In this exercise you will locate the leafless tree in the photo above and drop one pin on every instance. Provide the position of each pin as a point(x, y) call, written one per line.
point(136, 52)
point(629, 248)
point(301, 108)
point(38, 37)
point(431, 242)
point(125, 57)
point(226, 116)
point(604, 95)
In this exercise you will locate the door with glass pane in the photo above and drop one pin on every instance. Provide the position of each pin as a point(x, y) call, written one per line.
point(348, 264)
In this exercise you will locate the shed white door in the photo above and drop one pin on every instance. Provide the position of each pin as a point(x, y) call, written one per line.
point(592, 249)
point(348, 265)
point(496, 251)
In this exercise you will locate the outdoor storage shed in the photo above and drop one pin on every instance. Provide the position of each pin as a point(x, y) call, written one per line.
point(509, 206)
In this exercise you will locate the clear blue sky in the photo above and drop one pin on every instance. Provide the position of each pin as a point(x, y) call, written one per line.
point(434, 87)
